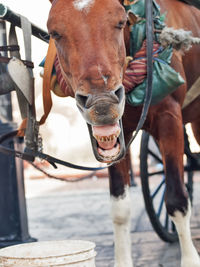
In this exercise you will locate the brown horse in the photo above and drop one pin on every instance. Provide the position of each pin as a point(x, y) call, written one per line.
point(92, 40)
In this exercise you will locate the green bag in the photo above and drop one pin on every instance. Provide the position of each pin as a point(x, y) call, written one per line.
point(165, 81)
point(138, 30)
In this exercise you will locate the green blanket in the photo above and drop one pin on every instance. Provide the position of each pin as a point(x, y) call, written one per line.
point(165, 78)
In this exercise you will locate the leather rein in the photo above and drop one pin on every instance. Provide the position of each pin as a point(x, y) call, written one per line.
point(29, 154)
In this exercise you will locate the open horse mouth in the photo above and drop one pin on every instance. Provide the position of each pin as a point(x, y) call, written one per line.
point(107, 142)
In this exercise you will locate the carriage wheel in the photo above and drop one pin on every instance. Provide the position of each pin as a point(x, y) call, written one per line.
point(153, 187)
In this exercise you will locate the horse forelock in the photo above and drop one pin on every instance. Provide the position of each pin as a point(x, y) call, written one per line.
point(83, 4)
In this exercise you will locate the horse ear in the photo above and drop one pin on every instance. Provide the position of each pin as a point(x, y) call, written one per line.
point(51, 1)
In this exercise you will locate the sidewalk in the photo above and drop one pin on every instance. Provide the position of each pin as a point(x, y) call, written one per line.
point(59, 210)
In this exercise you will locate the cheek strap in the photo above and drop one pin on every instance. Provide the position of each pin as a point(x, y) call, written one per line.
point(55, 83)
point(48, 67)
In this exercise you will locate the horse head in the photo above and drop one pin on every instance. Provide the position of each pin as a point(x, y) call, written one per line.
point(89, 37)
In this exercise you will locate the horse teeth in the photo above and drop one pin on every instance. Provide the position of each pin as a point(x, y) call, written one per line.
point(96, 137)
point(118, 133)
point(106, 138)
point(109, 138)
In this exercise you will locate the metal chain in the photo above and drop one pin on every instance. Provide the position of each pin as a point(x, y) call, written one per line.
point(40, 143)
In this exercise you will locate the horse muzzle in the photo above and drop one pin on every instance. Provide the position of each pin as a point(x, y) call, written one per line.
point(103, 113)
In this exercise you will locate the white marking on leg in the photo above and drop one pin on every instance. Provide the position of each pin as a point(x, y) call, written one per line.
point(83, 5)
point(189, 255)
point(121, 216)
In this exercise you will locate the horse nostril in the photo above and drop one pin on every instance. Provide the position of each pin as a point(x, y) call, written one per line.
point(81, 100)
point(120, 93)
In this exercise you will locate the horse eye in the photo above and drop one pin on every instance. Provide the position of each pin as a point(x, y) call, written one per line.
point(55, 35)
point(121, 24)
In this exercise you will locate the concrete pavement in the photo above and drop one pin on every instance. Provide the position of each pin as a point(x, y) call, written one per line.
point(58, 210)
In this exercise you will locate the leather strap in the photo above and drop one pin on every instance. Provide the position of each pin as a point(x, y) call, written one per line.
point(32, 128)
point(29, 155)
point(148, 93)
point(27, 32)
point(9, 48)
point(48, 67)
point(22, 128)
point(20, 97)
point(29, 64)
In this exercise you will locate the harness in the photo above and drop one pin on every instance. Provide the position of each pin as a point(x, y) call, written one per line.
point(28, 114)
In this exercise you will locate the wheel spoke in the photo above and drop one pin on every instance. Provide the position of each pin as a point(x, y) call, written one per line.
point(161, 204)
point(155, 173)
point(158, 188)
point(155, 156)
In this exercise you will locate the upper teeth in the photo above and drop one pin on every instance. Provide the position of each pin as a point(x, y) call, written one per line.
point(107, 138)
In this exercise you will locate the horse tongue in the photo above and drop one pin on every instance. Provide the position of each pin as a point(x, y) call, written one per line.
point(106, 136)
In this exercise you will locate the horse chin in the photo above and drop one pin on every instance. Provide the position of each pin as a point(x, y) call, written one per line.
point(107, 142)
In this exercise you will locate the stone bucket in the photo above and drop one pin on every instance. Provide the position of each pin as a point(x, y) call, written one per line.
point(70, 253)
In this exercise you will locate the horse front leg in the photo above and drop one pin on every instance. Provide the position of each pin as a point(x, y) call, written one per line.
point(121, 212)
point(181, 219)
point(178, 205)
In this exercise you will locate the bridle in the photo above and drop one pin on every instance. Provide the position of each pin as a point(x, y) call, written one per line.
point(148, 93)
point(29, 154)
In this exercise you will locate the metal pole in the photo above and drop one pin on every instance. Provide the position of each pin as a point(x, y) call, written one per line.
point(10, 16)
